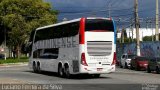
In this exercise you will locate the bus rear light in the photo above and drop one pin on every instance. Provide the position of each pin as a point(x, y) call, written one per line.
point(83, 60)
point(114, 59)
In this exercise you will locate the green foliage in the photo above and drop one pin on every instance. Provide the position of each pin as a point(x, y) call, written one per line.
point(148, 38)
point(10, 60)
point(126, 40)
point(20, 17)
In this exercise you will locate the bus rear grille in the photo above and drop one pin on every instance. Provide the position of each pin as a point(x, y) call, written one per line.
point(99, 48)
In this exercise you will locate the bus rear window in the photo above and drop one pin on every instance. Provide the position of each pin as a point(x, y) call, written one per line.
point(99, 24)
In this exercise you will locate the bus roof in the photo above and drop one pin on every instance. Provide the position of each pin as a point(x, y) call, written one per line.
point(61, 23)
point(70, 21)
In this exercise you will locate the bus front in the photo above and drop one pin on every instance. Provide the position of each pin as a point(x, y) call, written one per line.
point(97, 41)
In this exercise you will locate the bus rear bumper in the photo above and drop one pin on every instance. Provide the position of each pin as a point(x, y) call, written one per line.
point(97, 70)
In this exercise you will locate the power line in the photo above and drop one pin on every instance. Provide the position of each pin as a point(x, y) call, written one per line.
point(114, 2)
point(117, 2)
point(98, 10)
point(109, 1)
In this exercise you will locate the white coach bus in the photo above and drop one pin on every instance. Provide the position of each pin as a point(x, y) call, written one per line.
point(79, 46)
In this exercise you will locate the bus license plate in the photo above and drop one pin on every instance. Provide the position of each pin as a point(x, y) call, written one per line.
point(99, 69)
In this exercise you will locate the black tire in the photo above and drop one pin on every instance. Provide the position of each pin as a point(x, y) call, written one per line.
point(38, 68)
point(34, 67)
point(136, 68)
point(66, 71)
point(60, 71)
point(131, 67)
point(96, 75)
point(121, 66)
point(157, 70)
point(148, 69)
point(125, 66)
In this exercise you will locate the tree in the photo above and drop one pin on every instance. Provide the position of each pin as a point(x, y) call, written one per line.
point(147, 38)
point(20, 17)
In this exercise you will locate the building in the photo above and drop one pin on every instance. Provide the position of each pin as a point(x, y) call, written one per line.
point(142, 32)
point(4, 50)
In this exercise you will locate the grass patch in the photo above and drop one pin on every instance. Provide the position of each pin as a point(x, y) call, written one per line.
point(11, 60)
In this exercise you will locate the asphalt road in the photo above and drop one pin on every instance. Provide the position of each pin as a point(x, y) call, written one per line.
point(122, 79)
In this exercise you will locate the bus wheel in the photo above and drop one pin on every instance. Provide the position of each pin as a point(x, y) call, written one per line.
point(34, 67)
point(38, 68)
point(157, 70)
point(96, 75)
point(60, 71)
point(67, 73)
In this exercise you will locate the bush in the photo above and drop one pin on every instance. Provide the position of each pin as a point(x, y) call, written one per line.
point(11, 60)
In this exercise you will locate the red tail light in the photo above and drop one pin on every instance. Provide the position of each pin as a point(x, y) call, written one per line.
point(114, 59)
point(83, 60)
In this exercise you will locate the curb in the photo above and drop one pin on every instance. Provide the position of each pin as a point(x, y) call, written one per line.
point(14, 64)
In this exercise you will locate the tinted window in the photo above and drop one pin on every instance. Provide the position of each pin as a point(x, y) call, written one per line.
point(46, 53)
point(131, 56)
point(99, 24)
point(141, 58)
point(66, 30)
point(123, 56)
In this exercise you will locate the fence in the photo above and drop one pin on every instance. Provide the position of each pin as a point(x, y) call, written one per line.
point(149, 49)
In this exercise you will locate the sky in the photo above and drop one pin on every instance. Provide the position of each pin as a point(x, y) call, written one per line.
point(122, 9)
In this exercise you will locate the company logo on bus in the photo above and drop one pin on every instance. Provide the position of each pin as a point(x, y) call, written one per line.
point(98, 58)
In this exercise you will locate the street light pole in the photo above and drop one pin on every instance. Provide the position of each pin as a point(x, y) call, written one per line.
point(157, 21)
point(5, 43)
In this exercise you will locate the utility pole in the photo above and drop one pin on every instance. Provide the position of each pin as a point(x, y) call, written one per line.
point(117, 35)
point(122, 35)
point(151, 28)
point(132, 29)
point(129, 37)
point(142, 35)
point(137, 27)
point(147, 23)
point(157, 21)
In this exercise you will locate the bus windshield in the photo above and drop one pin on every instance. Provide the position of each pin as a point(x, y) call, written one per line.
point(99, 24)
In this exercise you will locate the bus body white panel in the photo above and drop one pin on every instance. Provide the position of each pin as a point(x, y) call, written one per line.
point(98, 64)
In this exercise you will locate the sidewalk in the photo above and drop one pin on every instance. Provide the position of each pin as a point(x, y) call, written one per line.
point(14, 64)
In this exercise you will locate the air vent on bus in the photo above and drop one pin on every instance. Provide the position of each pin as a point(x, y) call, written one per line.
point(99, 48)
